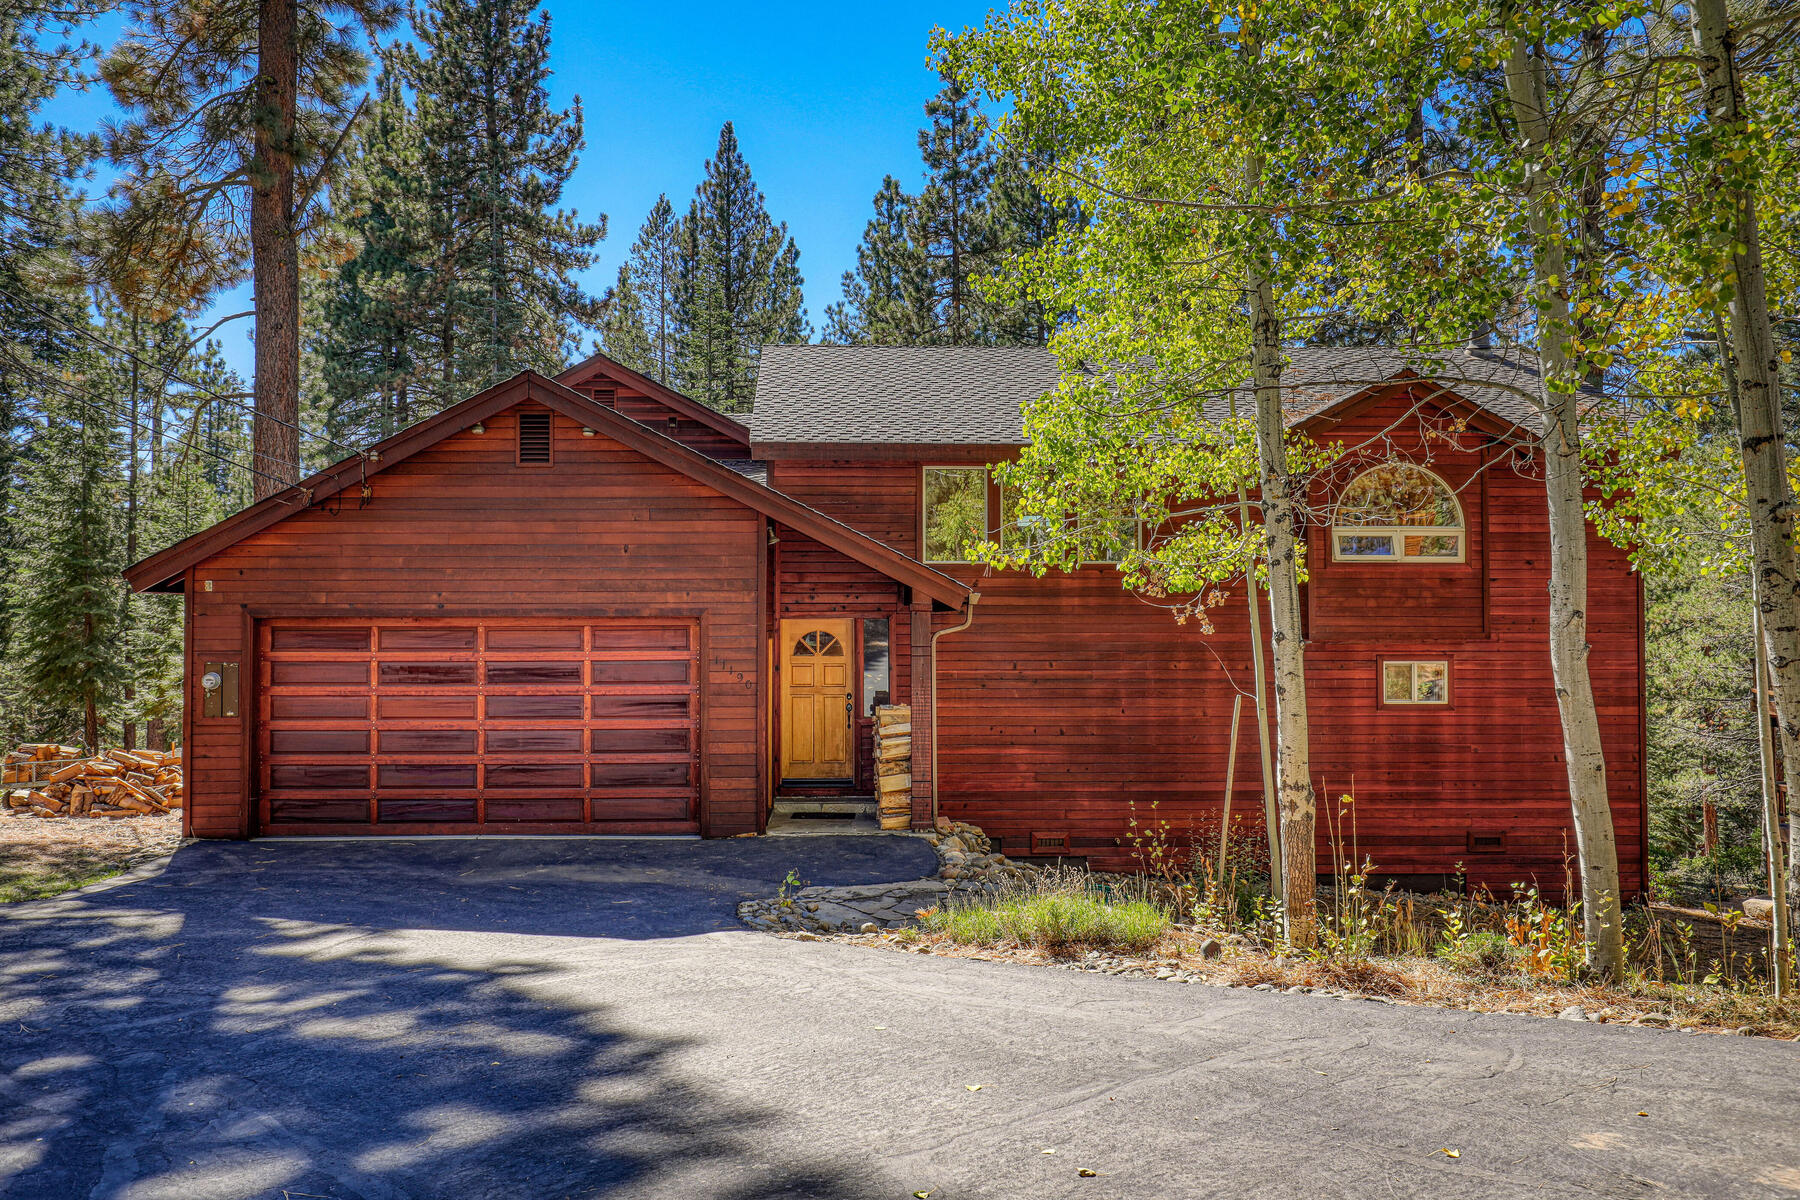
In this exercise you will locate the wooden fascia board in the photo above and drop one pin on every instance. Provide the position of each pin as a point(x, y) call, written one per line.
point(766, 500)
point(154, 572)
point(600, 364)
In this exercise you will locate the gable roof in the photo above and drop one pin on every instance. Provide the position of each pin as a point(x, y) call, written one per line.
point(975, 395)
point(598, 364)
point(161, 569)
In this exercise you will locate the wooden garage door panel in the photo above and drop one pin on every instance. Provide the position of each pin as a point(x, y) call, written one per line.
point(456, 725)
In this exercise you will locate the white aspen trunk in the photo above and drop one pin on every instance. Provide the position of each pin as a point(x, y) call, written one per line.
point(1281, 518)
point(1595, 842)
point(1762, 438)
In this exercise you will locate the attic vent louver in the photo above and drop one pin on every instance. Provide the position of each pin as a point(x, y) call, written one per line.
point(534, 437)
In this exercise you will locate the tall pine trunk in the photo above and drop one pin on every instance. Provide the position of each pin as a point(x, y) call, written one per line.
point(1281, 528)
point(1762, 437)
point(275, 251)
point(1558, 404)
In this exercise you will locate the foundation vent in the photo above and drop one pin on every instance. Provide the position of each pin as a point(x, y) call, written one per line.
point(1049, 843)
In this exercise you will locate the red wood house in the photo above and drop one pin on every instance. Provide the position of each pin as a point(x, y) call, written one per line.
point(592, 605)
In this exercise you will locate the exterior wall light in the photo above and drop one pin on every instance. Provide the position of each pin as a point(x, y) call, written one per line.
point(586, 432)
point(478, 427)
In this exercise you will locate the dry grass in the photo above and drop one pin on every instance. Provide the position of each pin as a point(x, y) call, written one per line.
point(42, 857)
point(1407, 980)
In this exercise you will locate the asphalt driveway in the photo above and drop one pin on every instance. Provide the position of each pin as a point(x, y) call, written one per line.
point(469, 1019)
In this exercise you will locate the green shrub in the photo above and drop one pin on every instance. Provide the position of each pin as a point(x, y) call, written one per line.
point(1483, 952)
point(1061, 923)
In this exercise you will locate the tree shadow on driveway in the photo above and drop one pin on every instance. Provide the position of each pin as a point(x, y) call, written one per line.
point(268, 1020)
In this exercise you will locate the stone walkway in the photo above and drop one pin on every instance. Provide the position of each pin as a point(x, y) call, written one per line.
point(966, 865)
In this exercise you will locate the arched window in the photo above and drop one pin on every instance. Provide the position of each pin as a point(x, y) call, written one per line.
point(1398, 512)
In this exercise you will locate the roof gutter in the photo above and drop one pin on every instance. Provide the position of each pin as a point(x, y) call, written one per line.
point(936, 758)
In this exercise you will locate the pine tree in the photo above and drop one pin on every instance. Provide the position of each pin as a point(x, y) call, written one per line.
point(642, 329)
point(887, 299)
point(622, 331)
point(950, 222)
point(370, 341)
point(235, 112)
point(499, 157)
point(930, 268)
point(738, 284)
point(63, 568)
point(40, 315)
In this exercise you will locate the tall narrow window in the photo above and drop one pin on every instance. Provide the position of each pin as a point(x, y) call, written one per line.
point(876, 659)
point(1398, 512)
point(955, 502)
point(534, 439)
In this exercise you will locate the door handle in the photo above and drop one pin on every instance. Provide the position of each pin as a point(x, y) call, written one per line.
point(849, 705)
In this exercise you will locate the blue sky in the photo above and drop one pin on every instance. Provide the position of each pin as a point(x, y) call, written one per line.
point(827, 98)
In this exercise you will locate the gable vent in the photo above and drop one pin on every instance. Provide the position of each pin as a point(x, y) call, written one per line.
point(534, 437)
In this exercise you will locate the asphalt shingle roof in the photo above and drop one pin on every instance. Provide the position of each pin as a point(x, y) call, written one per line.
point(974, 395)
point(933, 395)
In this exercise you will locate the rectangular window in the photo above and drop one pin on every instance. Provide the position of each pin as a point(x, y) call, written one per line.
point(955, 501)
point(1426, 682)
point(1101, 540)
point(1399, 546)
point(876, 661)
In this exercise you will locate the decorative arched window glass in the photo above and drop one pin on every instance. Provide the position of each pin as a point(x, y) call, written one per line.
point(1398, 512)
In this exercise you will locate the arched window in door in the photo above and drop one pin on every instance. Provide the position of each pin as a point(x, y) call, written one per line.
point(818, 644)
point(1398, 512)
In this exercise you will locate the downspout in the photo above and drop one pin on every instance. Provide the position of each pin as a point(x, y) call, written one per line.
point(936, 759)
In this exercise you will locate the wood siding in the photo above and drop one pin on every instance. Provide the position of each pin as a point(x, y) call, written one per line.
point(813, 580)
point(460, 530)
point(1070, 706)
point(647, 410)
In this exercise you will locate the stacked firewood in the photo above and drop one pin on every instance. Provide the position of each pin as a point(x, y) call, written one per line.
point(55, 781)
point(893, 765)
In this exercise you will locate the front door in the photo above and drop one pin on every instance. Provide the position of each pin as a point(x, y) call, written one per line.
point(816, 662)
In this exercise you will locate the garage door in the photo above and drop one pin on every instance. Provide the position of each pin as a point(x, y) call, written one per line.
point(477, 726)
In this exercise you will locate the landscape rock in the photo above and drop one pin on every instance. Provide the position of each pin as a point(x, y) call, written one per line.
point(1759, 908)
point(1572, 1013)
point(967, 865)
point(1211, 948)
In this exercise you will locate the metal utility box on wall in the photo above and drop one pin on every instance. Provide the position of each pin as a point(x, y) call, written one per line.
point(219, 690)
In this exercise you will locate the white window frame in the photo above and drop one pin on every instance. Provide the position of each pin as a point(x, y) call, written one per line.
point(1413, 665)
point(1396, 535)
point(987, 524)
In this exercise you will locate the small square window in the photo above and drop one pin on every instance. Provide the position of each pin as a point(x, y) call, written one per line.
point(1426, 682)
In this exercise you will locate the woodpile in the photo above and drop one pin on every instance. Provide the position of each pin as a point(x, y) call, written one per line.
point(893, 765)
point(55, 781)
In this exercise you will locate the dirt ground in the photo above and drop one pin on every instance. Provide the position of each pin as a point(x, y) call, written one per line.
point(41, 856)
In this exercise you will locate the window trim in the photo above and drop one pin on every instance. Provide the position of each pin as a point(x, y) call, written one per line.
point(1429, 706)
point(987, 511)
point(1398, 532)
